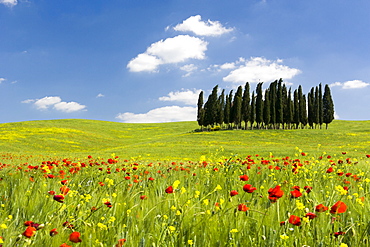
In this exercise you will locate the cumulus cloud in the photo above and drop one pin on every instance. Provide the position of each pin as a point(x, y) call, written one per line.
point(100, 95)
point(160, 115)
point(9, 3)
point(56, 103)
point(172, 50)
point(188, 97)
point(350, 84)
point(189, 68)
point(2, 79)
point(202, 28)
point(260, 69)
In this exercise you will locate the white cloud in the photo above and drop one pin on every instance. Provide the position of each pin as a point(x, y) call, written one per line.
point(350, 84)
point(161, 115)
point(260, 69)
point(56, 103)
point(9, 3)
point(172, 50)
point(202, 28)
point(69, 106)
point(2, 79)
point(46, 102)
point(188, 97)
point(100, 95)
point(189, 68)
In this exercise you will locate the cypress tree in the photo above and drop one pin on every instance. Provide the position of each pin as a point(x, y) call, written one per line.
point(316, 107)
point(296, 109)
point(321, 109)
point(328, 106)
point(259, 105)
point(311, 112)
point(252, 117)
point(288, 109)
point(266, 109)
point(279, 104)
point(227, 111)
point(246, 104)
point(200, 114)
point(221, 106)
point(272, 87)
point(236, 108)
point(302, 107)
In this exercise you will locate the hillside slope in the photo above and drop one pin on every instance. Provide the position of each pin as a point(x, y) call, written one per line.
point(76, 137)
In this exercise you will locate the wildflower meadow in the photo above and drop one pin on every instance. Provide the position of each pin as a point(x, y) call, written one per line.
point(315, 198)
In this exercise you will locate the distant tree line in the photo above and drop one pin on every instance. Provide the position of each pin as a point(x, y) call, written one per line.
point(275, 108)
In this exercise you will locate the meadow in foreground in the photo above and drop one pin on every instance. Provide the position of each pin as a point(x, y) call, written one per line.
point(305, 200)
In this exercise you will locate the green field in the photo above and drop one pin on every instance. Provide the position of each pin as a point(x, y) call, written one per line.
point(67, 183)
point(174, 141)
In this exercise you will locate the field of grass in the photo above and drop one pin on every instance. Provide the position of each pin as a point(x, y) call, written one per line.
point(89, 183)
point(173, 141)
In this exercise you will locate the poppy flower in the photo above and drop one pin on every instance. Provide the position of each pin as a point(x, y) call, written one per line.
point(308, 189)
point(295, 220)
point(233, 193)
point(248, 188)
point(337, 234)
point(64, 182)
point(68, 225)
point(321, 208)
point(244, 178)
point(338, 208)
point(65, 245)
point(295, 193)
point(169, 190)
point(242, 207)
point(64, 190)
point(59, 198)
point(28, 223)
point(330, 170)
point(53, 232)
point(108, 204)
point(143, 197)
point(51, 192)
point(275, 193)
point(29, 232)
point(75, 237)
point(311, 216)
point(121, 242)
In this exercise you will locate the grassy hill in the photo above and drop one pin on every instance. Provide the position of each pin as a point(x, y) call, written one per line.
point(174, 141)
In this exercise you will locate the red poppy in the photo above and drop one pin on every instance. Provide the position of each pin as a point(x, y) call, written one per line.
point(248, 188)
point(64, 190)
point(143, 197)
point(53, 232)
point(108, 204)
point(64, 182)
point(338, 208)
point(330, 170)
point(311, 216)
point(51, 192)
point(308, 189)
point(242, 207)
point(169, 190)
point(295, 220)
point(65, 245)
point(150, 179)
point(121, 242)
point(275, 193)
point(59, 198)
point(28, 223)
point(29, 232)
point(233, 193)
point(68, 225)
point(244, 178)
point(295, 193)
point(75, 237)
point(321, 208)
point(337, 234)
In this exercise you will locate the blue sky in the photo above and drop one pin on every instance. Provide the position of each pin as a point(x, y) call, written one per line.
point(146, 61)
